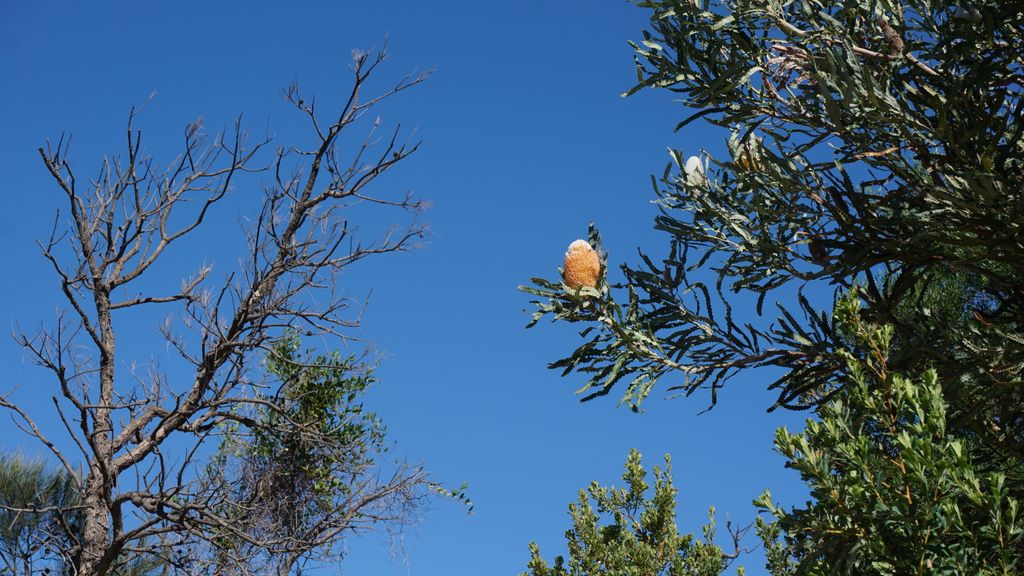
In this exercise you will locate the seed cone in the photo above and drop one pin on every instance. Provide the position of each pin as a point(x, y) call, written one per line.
point(749, 157)
point(582, 265)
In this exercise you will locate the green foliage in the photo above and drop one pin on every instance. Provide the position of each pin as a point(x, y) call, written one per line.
point(640, 536)
point(875, 148)
point(321, 426)
point(304, 465)
point(877, 144)
point(893, 491)
point(298, 450)
point(36, 512)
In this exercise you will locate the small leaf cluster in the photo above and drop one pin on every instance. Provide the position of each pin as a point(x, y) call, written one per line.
point(893, 490)
point(625, 532)
point(322, 412)
point(301, 456)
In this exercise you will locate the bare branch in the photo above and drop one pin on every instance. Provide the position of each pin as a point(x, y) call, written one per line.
point(120, 225)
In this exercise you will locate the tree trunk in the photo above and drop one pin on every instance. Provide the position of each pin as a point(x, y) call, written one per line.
point(96, 527)
point(96, 555)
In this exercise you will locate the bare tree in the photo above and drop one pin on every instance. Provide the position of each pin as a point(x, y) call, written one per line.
point(142, 445)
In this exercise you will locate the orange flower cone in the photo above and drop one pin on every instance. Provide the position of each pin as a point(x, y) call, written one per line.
point(582, 265)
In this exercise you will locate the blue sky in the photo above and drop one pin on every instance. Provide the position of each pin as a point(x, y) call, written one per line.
point(526, 140)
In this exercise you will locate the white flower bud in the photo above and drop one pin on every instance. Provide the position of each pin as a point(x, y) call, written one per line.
point(694, 171)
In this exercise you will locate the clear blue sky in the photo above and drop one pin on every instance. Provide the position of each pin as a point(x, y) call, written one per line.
point(526, 140)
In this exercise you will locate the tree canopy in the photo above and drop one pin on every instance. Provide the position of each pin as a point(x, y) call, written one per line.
point(871, 144)
point(874, 151)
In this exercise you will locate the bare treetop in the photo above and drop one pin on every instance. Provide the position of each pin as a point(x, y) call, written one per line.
point(122, 221)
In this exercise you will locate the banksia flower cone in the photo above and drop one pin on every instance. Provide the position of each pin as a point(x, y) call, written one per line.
point(694, 172)
point(749, 157)
point(582, 265)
